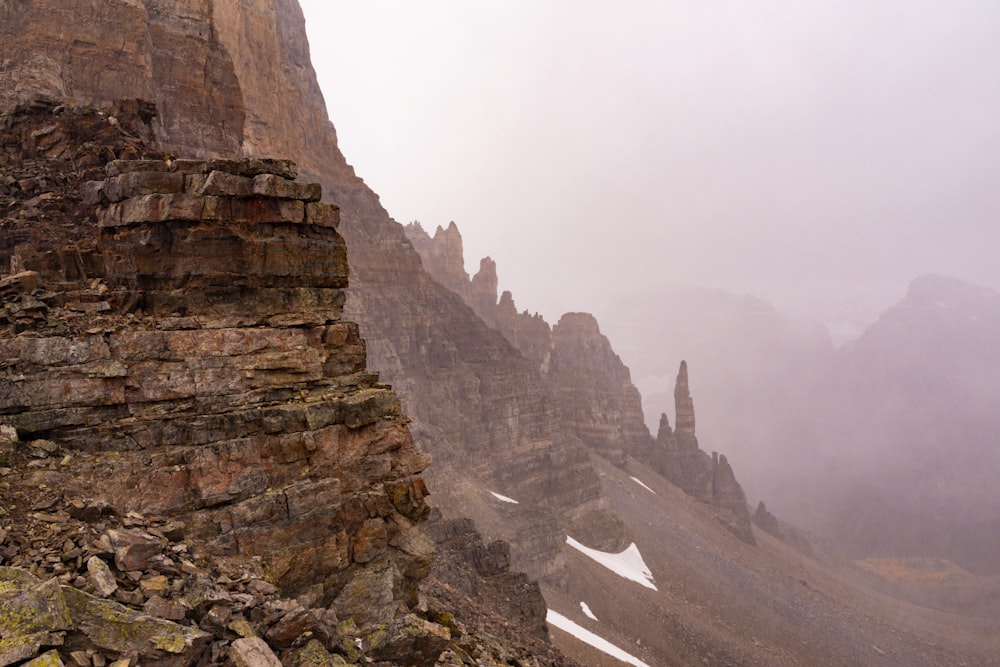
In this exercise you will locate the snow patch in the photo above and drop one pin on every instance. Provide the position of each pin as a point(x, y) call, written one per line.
point(586, 611)
point(589, 637)
point(504, 498)
point(639, 482)
point(627, 564)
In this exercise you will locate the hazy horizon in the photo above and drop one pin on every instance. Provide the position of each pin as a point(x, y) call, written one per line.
point(816, 155)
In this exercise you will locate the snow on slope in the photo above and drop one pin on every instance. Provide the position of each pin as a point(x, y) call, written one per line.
point(586, 611)
point(588, 637)
point(504, 498)
point(639, 482)
point(627, 564)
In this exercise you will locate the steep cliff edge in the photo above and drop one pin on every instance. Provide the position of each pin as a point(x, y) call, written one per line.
point(717, 599)
point(595, 398)
point(475, 401)
point(185, 358)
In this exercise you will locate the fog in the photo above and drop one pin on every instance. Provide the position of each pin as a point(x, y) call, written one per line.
point(707, 178)
point(818, 155)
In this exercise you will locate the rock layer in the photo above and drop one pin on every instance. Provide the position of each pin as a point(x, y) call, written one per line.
point(197, 353)
point(708, 478)
point(472, 396)
point(180, 354)
point(596, 401)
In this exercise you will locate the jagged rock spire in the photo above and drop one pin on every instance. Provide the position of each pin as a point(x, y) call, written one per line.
point(483, 287)
point(684, 409)
point(665, 434)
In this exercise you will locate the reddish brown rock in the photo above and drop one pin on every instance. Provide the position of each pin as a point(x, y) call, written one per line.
point(474, 398)
point(217, 384)
point(596, 401)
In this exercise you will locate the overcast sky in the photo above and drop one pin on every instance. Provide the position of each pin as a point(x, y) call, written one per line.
point(811, 152)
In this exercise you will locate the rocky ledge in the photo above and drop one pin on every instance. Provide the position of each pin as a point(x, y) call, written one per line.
point(192, 365)
point(196, 466)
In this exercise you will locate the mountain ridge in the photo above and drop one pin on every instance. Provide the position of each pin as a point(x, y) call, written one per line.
point(480, 406)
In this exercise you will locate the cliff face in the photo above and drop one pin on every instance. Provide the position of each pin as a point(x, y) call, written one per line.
point(99, 51)
point(227, 76)
point(596, 401)
point(109, 334)
point(186, 358)
point(200, 339)
point(476, 403)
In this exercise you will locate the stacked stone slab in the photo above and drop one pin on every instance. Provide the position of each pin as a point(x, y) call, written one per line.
point(193, 364)
point(237, 240)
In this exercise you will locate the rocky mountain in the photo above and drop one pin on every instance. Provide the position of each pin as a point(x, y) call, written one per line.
point(595, 398)
point(882, 446)
point(258, 407)
point(186, 359)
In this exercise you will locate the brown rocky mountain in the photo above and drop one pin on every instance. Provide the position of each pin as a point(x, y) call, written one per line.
point(471, 395)
point(231, 76)
point(596, 400)
point(185, 358)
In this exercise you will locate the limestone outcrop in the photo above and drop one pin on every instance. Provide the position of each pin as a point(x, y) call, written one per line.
point(184, 356)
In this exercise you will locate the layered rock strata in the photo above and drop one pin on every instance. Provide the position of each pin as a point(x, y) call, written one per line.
point(187, 420)
point(595, 399)
point(234, 75)
point(194, 364)
point(89, 587)
point(708, 478)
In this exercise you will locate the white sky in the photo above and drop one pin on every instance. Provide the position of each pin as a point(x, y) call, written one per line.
point(807, 151)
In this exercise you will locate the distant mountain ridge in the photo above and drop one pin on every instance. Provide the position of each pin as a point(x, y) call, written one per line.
point(884, 446)
point(510, 447)
point(595, 398)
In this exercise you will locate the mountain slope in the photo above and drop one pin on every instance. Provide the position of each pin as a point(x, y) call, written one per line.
point(480, 406)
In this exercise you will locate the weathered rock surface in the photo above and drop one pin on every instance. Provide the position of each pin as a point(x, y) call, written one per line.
point(473, 398)
point(48, 149)
point(219, 370)
point(250, 430)
point(597, 399)
point(188, 360)
point(502, 612)
point(679, 459)
point(596, 402)
point(434, 350)
point(484, 409)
